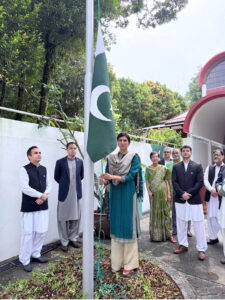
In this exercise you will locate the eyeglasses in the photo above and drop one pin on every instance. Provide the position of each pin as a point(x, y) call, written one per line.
point(166, 151)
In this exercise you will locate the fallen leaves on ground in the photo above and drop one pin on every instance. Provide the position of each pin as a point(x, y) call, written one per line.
point(64, 280)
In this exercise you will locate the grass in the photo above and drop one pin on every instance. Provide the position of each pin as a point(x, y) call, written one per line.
point(63, 279)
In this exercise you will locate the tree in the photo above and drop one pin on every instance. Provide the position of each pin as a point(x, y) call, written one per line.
point(138, 105)
point(166, 135)
point(134, 105)
point(20, 50)
point(39, 38)
point(165, 103)
point(58, 29)
point(194, 92)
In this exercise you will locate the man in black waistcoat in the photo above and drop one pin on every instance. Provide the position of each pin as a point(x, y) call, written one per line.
point(211, 196)
point(187, 177)
point(35, 184)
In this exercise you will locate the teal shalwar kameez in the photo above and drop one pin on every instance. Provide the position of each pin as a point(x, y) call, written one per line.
point(124, 222)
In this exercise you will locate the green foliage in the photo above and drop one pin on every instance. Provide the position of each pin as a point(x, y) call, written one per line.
point(166, 135)
point(21, 52)
point(165, 103)
point(42, 48)
point(63, 280)
point(194, 92)
point(138, 105)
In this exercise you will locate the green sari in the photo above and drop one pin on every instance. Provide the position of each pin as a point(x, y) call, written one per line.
point(160, 226)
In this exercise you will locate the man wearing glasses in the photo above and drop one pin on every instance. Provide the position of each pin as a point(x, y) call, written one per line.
point(211, 196)
point(166, 156)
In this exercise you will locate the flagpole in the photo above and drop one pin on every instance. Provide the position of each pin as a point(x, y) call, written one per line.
point(88, 201)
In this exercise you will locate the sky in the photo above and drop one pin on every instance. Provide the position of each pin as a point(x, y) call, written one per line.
point(171, 53)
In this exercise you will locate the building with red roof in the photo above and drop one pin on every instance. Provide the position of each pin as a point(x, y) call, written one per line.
point(204, 123)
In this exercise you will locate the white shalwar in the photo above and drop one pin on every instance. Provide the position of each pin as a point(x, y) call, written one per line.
point(212, 206)
point(222, 221)
point(34, 225)
point(186, 212)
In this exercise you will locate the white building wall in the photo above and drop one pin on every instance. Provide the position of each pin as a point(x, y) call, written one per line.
point(15, 138)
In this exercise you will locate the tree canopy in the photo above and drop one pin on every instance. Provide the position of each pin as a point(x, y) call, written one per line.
point(42, 49)
point(138, 105)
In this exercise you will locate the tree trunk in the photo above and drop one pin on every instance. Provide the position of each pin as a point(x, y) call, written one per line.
point(19, 104)
point(49, 49)
point(3, 92)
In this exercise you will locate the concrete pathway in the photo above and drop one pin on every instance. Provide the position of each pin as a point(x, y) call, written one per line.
point(205, 278)
point(197, 279)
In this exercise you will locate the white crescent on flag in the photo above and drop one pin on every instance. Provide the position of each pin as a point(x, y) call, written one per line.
point(100, 89)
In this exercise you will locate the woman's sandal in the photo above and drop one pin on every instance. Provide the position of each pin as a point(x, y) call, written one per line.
point(127, 272)
point(173, 240)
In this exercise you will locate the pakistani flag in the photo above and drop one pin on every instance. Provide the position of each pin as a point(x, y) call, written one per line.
point(101, 133)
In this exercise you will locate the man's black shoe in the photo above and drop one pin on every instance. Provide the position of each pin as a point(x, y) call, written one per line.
point(189, 234)
point(40, 259)
point(64, 248)
point(75, 244)
point(27, 268)
point(212, 242)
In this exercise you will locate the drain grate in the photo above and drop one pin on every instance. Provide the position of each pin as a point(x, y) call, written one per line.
point(15, 263)
point(6, 266)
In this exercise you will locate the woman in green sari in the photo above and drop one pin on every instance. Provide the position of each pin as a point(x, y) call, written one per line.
point(158, 183)
point(123, 174)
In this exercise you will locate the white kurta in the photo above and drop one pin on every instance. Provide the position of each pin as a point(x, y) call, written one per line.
point(213, 204)
point(222, 213)
point(187, 212)
point(222, 222)
point(34, 225)
point(37, 215)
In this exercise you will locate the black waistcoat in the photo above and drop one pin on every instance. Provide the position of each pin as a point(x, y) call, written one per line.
point(211, 176)
point(37, 181)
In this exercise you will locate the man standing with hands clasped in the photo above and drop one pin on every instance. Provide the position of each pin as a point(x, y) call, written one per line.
point(35, 184)
point(187, 179)
point(69, 172)
point(211, 196)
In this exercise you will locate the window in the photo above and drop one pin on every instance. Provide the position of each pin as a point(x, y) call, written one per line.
point(216, 77)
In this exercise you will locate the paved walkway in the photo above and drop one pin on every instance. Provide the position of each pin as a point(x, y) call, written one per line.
point(205, 278)
point(199, 279)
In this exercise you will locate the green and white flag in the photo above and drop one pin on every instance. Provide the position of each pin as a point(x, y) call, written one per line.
point(101, 133)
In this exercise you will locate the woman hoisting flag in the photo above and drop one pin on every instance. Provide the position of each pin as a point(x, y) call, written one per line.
point(124, 174)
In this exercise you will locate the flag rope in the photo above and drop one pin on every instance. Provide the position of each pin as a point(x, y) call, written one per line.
point(100, 287)
point(99, 11)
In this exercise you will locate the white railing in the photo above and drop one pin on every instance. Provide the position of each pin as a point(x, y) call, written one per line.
point(151, 140)
point(39, 117)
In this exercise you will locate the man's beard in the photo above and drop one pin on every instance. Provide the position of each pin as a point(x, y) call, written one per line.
point(217, 161)
point(176, 157)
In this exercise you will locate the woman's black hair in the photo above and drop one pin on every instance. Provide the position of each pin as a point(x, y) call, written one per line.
point(153, 153)
point(121, 134)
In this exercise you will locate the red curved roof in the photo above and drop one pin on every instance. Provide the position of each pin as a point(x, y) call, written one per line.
point(198, 104)
point(208, 65)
